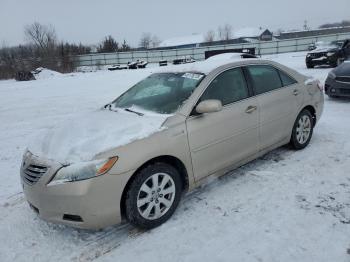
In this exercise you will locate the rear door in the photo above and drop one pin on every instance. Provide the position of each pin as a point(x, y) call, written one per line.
point(217, 140)
point(278, 97)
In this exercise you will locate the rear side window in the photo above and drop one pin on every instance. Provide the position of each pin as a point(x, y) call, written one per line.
point(286, 79)
point(228, 87)
point(265, 78)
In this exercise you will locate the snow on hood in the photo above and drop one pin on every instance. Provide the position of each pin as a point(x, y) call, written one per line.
point(325, 49)
point(81, 138)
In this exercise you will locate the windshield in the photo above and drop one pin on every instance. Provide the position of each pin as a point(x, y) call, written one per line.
point(163, 93)
point(337, 43)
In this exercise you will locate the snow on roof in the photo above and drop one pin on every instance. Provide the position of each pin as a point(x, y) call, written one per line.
point(199, 38)
point(205, 66)
point(248, 32)
point(184, 40)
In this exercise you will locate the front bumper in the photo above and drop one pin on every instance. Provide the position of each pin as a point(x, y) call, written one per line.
point(89, 204)
point(329, 60)
point(336, 88)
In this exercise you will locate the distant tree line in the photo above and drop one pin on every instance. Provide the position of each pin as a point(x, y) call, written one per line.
point(44, 50)
point(339, 24)
point(223, 33)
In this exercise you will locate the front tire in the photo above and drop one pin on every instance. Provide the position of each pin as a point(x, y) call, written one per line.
point(309, 65)
point(153, 195)
point(302, 130)
point(332, 96)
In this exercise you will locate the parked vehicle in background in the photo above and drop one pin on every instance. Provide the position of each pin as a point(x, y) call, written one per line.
point(338, 81)
point(137, 64)
point(163, 63)
point(141, 64)
point(117, 67)
point(184, 60)
point(333, 54)
point(132, 65)
point(164, 136)
point(315, 45)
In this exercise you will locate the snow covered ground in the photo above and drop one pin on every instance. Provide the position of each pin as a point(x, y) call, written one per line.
point(285, 206)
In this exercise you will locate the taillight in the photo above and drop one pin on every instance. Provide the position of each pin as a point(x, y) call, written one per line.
point(320, 85)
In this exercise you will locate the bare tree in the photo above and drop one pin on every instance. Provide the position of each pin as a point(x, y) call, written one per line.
point(341, 24)
point(125, 46)
point(210, 36)
point(146, 40)
point(155, 41)
point(42, 36)
point(225, 32)
point(278, 31)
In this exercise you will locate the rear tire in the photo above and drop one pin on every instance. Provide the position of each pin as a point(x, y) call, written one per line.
point(337, 62)
point(153, 195)
point(302, 130)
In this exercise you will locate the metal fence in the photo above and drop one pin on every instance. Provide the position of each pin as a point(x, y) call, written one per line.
point(154, 56)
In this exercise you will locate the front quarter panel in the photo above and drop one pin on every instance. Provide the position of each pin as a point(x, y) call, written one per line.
point(171, 140)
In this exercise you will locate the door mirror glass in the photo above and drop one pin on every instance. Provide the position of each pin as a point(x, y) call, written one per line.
point(209, 106)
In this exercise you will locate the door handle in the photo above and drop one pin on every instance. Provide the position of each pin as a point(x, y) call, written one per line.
point(250, 109)
point(295, 92)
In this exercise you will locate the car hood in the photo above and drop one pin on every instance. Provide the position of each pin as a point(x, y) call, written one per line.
point(82, 138)
point(343, 69)
point(325, 49)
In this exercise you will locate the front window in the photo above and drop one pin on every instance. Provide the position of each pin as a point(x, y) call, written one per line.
point(163, 93)
point(337, 43)
point(229, 87)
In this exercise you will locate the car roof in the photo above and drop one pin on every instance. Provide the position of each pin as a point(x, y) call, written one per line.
point(209, 65)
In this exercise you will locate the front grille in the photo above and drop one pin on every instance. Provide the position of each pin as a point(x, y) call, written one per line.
point(344, 91)
point(33, 172)
point(345, 79)
point(317, 55)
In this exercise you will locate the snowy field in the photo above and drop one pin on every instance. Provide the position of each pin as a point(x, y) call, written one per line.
point(285, 206)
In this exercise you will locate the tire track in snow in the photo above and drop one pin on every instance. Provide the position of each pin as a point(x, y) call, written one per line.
point(106, 241)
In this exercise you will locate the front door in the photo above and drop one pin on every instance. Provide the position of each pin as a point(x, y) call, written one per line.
point(218, 140)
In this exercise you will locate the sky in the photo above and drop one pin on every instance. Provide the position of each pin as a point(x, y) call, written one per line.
point(88, 21)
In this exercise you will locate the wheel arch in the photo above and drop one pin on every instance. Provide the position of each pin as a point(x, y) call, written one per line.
point(312, 110)
point(168, 159)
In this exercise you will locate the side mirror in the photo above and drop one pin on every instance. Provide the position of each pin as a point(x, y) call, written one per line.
point(209, 106)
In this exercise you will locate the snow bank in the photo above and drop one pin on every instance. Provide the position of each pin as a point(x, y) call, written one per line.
point(44, 73)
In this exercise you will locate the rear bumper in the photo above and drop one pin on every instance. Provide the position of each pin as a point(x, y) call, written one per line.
point(89, 204)
point(335, 88)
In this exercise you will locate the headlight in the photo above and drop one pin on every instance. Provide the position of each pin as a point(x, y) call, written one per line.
point(330, 53)
point(308, 55)
point(332, 75)
point(84, 170)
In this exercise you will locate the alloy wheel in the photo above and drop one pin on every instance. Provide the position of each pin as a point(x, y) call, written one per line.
point(156, 196)
point(303, 129)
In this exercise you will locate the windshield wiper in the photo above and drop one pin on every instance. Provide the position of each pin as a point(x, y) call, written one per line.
point(108, 106)
point(132, 111)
